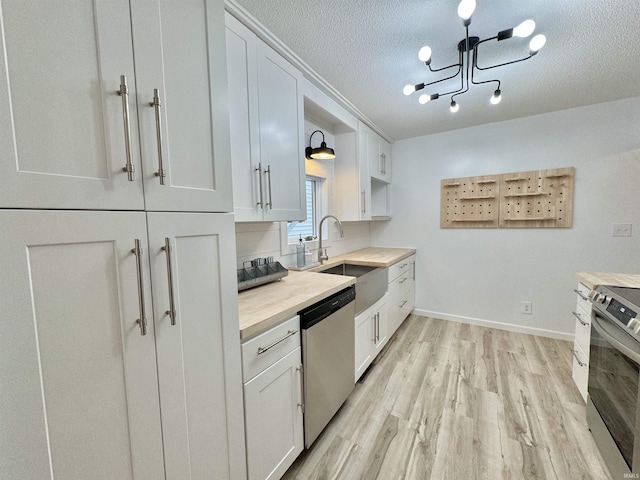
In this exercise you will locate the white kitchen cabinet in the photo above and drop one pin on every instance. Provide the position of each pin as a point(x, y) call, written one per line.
point(582, 339)
point(267, 129)
point(371, 335)
point(361, 191)
point(378, 155)
point(273, 400)
point(63, 136)
point(86, 393)
point(401, 292)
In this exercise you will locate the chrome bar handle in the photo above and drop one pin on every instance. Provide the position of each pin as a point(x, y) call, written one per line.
point(124, 93)
point(172, 305)
point(581, 363)
point(580, 294)
point(142, 321)
point(156, 104)
point(378, 325)
point(577, 315)
point(364, 206)
point(261, 350)
point(259, 170)
point(268, 173)
point(403, 280)
point(300, 369)
point(403, 303)
point(373, 318)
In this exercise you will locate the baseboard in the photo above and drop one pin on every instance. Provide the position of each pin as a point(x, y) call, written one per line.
point(569, 337)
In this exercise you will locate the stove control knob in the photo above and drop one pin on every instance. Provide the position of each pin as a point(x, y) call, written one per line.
point(634, 324)
point(597, 297)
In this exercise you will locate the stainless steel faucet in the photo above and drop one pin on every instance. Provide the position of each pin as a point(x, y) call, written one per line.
point(323, 256)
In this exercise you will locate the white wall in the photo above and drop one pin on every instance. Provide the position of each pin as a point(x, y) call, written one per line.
point(482, 275)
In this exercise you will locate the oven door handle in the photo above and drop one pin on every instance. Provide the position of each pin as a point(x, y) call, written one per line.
point(622, 348)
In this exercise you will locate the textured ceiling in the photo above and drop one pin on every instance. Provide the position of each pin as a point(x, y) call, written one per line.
point(367, 50)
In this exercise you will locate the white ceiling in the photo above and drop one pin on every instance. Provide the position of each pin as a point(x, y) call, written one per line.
point(367, 50)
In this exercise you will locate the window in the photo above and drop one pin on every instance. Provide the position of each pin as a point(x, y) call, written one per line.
point(307, 228)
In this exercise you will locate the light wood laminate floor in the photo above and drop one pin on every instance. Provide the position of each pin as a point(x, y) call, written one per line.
point(446, 400)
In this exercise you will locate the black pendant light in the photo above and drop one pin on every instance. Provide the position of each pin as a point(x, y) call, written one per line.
point(322, 152)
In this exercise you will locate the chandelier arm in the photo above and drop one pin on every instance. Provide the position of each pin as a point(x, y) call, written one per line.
point(475, 57)
point(474, 66)
point(464, 89)
point(444, 68)
point(446, 78)
point(503, 64)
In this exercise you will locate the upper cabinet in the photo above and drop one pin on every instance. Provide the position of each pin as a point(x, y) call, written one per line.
point(362, 175)
point(267, 129)
point(378, 154)
point(83, 126)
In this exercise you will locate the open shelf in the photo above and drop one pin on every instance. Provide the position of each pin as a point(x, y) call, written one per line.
point(485, 181)
point(528, 194)
point(529, 219)
point(516, 179)
point(451, 185)
point(473, 220)
point(479, 197)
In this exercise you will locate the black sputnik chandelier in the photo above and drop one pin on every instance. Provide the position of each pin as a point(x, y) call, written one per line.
point(468, 58)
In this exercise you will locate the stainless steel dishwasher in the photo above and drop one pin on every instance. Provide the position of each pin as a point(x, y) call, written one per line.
point(328, 359)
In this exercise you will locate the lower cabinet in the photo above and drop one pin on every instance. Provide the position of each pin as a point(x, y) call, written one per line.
point(273, 400)
point(582, 339)
point(401, 292)
point(117, 354)
point(371, 335)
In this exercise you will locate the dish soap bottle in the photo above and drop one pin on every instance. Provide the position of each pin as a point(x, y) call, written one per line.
point(300, 253)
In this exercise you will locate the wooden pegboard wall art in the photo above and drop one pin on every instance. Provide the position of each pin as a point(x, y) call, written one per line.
point(470, 202)
point(540, 199)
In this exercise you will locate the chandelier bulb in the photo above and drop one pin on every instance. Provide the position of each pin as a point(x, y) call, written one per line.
point(537, 43)
point(496, 98)
point(408, 89)
point(525, 29)
point(454, 107)
point(466, 9)
point(424, 98)
point(424, 55)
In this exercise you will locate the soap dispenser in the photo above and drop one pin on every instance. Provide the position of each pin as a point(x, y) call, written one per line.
point(300, 253)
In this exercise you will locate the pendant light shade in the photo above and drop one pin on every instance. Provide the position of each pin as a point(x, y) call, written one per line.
point(320, 153)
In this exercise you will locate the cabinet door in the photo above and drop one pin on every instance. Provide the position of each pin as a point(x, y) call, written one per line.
point(273, 415)
point(199, 369)
point(281, 136)
point(62, 134)
point(385, 157)
point(180, 50)
point(79, 389)
point(381, 320)
point(242, 70)
point(364, 160)
point(364, 338)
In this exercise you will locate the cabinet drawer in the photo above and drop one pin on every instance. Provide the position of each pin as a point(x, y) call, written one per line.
point(582, 294)
point(269, 347)
point(583, 332)
point(402, 267)
point(580, 371)
point(400, 286)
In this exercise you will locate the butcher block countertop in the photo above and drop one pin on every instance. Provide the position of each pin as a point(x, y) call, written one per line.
point(263, 307)
point(593, 279)
point(372, 257)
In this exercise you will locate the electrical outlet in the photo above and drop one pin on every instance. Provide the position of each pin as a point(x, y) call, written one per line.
point(621, 230)
point(526, 308)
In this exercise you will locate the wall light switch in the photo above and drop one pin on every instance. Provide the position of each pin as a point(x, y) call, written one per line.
point(621, 230)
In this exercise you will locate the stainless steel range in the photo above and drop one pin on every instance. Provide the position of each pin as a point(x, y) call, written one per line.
point(613, 409)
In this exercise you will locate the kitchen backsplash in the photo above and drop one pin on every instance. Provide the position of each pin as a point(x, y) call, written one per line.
point(263, 240)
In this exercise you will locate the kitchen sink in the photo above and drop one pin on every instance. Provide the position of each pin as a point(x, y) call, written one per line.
point(371, 282)
point(349, 270)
